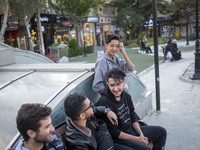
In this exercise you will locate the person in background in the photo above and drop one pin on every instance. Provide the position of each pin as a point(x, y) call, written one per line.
point(128, 132)
point(172, 48)
point(35, 126)
point(145, 47)
point(110, 60)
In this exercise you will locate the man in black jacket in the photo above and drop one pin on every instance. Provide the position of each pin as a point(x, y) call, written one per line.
point(128, 131)
point(172, 48)
point(82, 131)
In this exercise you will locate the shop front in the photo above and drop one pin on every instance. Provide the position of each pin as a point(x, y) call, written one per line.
point(12, 31)
point(88, 34)
point(53, 29)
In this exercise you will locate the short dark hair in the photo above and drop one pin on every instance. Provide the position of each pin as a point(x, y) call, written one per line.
point(116, 74)
point(29, 117)
point(111, 37)
point(74, 105)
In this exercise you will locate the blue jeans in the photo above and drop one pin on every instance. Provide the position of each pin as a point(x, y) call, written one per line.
point(155, 134)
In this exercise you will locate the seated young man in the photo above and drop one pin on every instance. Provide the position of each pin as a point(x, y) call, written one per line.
point(82, 131)
point(34, 124)
point(128, 131)
point(110, 60)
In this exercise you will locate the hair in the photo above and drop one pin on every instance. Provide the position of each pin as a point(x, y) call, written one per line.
point(116, 74)
point(74, 105)
point(111, 37)
point(29, 117)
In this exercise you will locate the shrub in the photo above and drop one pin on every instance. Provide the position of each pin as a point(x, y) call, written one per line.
point(73, 44)
point(71, 52)
point(90, 49)
point(80, 51)
point(133, 45)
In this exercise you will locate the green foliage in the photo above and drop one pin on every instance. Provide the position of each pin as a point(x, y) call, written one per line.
point(73, 8)
point(133, 45)
point(73, 44)
point(132, 14)
point(90, 49)
point(25, 9)
point(80, 51)
point(73, 53)
point(161, 40)
point(141, 36)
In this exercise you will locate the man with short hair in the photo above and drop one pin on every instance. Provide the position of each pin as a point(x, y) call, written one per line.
point(128, 131)
point(35, 125)
point(110, 60)
point(82, 131)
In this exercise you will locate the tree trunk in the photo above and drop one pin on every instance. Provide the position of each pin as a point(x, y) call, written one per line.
point(77, 35)
point(29, 35)
point(40, 35)
point(69, 35)
point(5, 18)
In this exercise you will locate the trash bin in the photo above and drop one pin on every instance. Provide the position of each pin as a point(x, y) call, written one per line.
point(57, 51)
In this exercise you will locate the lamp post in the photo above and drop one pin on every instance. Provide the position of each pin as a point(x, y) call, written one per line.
point(155, 37)
point(196, 75)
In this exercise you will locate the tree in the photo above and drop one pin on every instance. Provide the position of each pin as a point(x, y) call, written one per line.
point(182, 9)
point(4, 4)
point(24, 10)
point(132, 14)
point(75, 10)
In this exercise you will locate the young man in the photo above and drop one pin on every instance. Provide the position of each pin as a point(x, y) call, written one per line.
point(34, 124)
point(82, 130)
point(110, 60)
point(128, 131)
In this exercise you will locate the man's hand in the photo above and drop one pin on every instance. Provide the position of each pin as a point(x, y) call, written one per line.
point(142, 140)
point(112, 117)
point(121, 48)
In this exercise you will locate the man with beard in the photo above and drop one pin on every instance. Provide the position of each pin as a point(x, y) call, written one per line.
point(35, 125)
point(83, 131)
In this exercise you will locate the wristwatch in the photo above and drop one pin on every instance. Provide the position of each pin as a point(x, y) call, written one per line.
point(107, 110)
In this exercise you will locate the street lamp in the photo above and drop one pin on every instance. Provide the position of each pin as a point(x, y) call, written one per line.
point(196, 75)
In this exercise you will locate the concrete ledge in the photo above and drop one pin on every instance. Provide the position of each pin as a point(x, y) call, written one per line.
point(6, 57)
point(144, 106)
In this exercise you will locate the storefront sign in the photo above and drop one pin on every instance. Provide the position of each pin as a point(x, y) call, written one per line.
point(43, 19)
point(66, 23)
point(93, 19)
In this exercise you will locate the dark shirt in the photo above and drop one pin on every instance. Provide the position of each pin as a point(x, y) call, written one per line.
point(124, 110)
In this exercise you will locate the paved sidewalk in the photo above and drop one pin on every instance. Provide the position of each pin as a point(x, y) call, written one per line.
point(180, 103)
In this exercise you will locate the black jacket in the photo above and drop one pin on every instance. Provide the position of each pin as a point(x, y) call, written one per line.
point(174, 51)
point(124, 110)
point(82, 138)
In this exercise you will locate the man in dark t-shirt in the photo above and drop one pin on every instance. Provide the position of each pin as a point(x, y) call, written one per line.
point(128, 131)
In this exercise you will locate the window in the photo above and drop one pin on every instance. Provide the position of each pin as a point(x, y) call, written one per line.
point(112, 10)
point(105, 10)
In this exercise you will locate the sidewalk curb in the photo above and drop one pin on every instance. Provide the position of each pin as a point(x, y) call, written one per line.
point(189, 71)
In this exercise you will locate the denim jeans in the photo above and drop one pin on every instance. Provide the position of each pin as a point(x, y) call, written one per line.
point(155, 134)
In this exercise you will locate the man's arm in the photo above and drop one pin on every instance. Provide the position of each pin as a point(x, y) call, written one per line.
point(100, 71)
point(122, 50)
